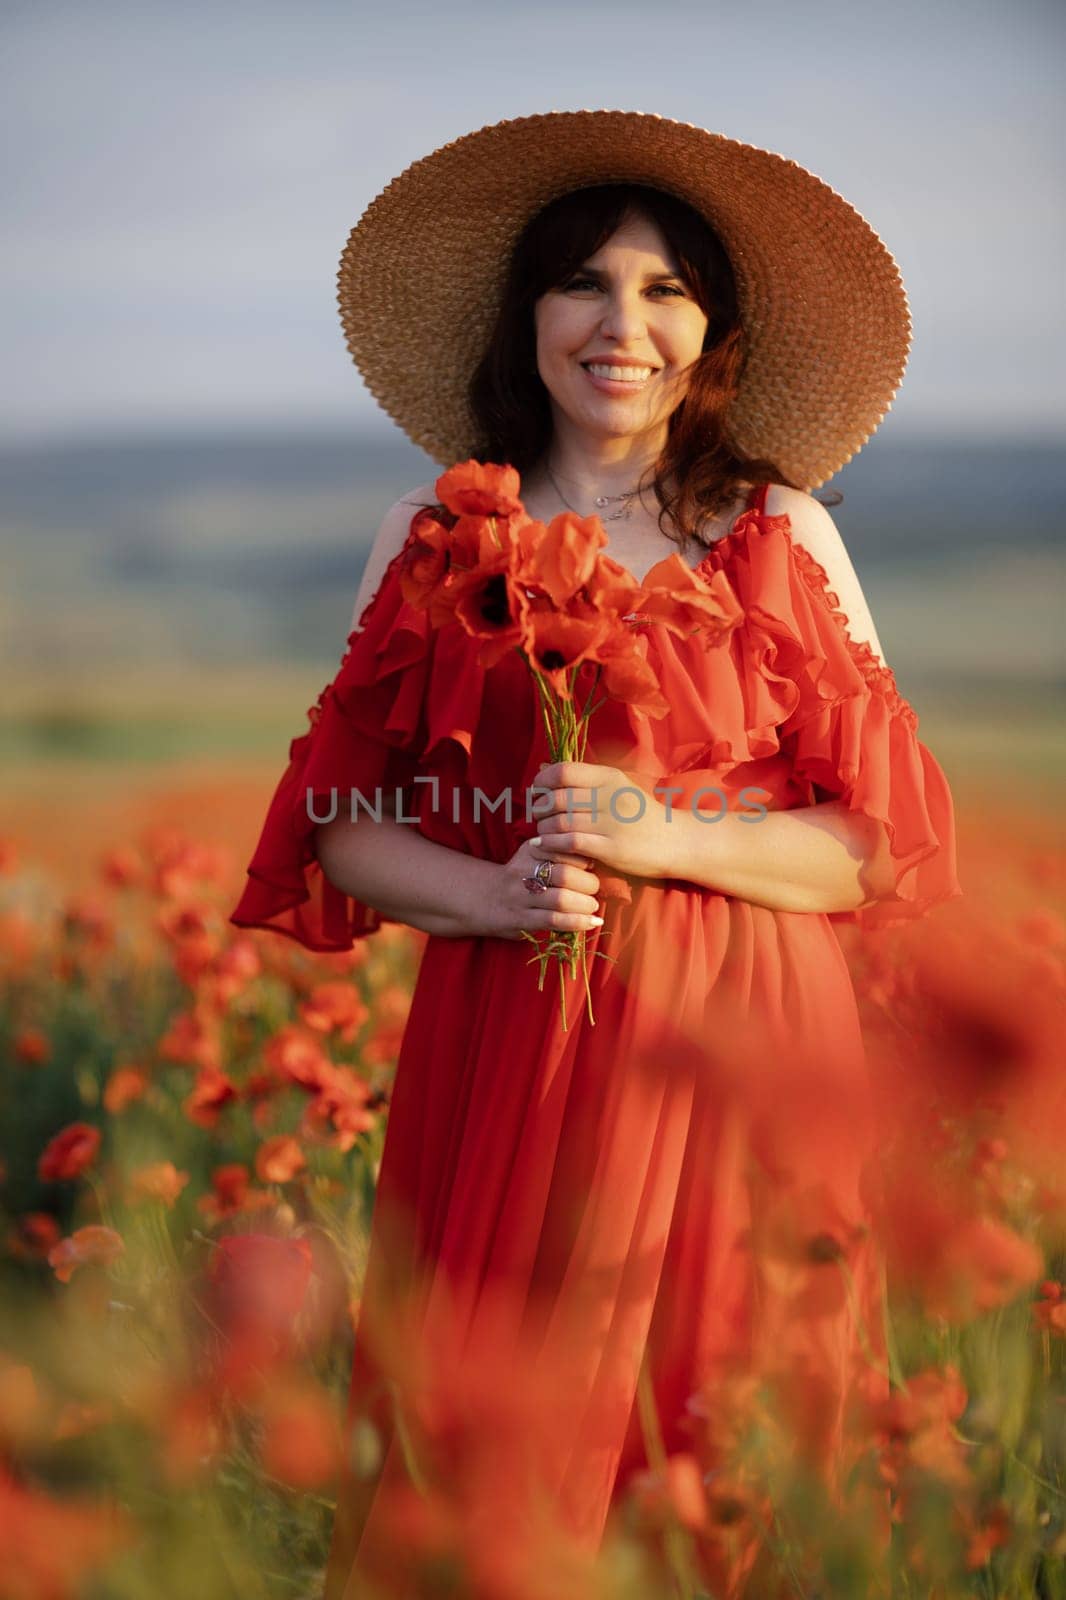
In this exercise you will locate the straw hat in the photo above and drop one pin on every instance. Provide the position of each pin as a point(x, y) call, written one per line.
point(821, 297)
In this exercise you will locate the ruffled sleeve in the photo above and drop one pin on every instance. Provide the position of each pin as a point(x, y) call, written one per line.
point(847, 730)
point(369, 730)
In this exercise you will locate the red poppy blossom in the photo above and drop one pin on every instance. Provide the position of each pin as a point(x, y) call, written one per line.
point(70, 1153)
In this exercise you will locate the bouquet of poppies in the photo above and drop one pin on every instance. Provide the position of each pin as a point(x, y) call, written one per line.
point(549, 592)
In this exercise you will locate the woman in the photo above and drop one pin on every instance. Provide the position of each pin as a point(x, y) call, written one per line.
point(604, 1205)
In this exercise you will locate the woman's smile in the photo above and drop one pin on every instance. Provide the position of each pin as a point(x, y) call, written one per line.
point(609, 379)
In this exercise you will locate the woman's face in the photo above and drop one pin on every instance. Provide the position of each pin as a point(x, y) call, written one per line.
point(625, 306)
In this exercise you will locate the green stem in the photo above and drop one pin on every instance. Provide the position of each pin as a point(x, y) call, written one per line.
point(586, 713)
point(675, 1536)
point(103, 1205)
point(403, 1434)
point(162, 1232)
point(566, 732)
point(588, 986)
point(543, 697)
point(1016, 1458)
point(892, 1370)
point(781, 1552)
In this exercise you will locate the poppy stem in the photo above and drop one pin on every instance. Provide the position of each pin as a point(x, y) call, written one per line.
point(892, 1370)
point(675, 1536)
point(566, 731)
point(586, 713)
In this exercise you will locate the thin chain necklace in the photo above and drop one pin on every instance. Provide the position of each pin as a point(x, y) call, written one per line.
point(601, 501)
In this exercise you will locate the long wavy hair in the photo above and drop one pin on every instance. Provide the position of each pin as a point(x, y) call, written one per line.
point(510, 403)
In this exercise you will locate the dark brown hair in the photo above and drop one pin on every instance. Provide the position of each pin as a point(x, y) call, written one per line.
point(510, 403)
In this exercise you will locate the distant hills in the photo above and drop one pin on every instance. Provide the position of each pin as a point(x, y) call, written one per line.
point(230, 548)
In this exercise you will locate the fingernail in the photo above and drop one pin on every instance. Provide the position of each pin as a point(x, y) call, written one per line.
point(597, 920)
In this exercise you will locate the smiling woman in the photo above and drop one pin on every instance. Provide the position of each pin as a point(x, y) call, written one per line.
point(589, 1245)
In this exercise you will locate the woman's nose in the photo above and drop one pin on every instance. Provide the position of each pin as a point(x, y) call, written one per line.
point(624, 318)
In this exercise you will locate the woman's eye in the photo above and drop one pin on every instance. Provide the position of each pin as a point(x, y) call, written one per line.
point(590, 283)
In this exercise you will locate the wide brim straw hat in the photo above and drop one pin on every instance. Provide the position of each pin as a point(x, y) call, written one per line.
point(822, 300)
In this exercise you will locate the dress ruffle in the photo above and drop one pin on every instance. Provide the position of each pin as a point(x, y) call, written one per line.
point(401, 691)
point(835, 712)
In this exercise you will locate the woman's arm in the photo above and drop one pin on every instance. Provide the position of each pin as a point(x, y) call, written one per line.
point(815, 858)
point(389, 865)
point(406, 877)
point(820, 858)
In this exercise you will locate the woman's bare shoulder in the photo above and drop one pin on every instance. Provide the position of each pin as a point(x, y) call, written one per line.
point(812, 527)
point(424, 495)
point(389, 541)
point(396, 523)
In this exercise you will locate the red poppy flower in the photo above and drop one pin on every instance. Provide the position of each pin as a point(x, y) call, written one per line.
point(70, 1153)
point(480, 489)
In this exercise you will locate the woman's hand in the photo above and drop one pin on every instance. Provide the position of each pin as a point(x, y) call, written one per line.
point(513, 908)
point(629, 837)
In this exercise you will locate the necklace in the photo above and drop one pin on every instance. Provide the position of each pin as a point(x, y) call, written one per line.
point(601, 500)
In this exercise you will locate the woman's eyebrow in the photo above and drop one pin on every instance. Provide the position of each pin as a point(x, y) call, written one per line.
point(649, 277)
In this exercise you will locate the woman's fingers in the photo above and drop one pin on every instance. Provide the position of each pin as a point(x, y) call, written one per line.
point(564, 907)
point(569, 900)
point(570, 872)
point(569, 856)
point(565, 799)
point(562, 921)
point(568, 905)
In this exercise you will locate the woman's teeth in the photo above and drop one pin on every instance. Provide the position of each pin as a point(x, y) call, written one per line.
point(619, 374)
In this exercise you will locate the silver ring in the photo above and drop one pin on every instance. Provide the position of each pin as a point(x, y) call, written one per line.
point(540, 880)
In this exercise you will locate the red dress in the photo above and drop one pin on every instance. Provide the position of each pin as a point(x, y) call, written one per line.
point(611, 1181)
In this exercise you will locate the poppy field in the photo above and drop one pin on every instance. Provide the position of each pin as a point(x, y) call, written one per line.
point(192, 1125)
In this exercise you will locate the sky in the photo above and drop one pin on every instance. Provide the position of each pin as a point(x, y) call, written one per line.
point(180, 180)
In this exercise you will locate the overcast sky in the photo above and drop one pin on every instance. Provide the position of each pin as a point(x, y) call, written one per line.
point(180, 179)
